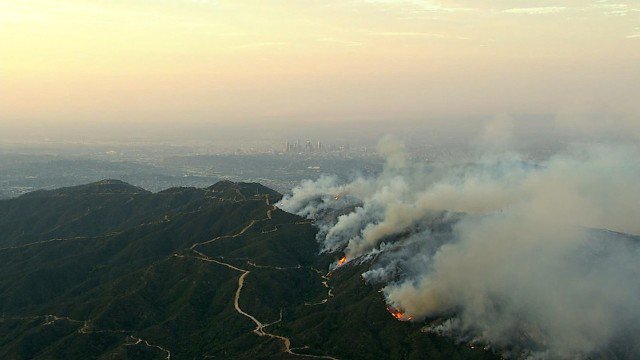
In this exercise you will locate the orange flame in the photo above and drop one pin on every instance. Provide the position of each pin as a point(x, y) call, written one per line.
point(342, 261)
point(399, 314)
point(336, 197)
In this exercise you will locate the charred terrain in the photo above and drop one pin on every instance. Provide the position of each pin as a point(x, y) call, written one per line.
point(112, 271)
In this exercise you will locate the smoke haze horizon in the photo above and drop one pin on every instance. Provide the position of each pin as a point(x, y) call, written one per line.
point(539, 260)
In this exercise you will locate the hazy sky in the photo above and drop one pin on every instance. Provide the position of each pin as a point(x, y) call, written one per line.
point(218, 61)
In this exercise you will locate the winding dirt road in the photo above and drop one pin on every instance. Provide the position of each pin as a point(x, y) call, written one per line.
point(259, 330)
point(148, 344)
point(324, 283)
point(86, 328)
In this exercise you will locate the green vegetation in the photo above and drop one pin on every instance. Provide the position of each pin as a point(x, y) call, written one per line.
point(111, 271)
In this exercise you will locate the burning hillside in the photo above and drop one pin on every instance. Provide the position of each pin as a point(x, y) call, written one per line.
point(459, 239)
point(399, 314)
point(342, 261)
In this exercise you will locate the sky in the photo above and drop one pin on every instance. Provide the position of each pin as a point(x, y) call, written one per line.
point(70, 63)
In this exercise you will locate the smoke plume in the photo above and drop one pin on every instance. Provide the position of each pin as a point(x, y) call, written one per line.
point(537, 260)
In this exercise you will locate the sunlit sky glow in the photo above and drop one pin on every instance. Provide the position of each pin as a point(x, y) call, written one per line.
point(222, 61)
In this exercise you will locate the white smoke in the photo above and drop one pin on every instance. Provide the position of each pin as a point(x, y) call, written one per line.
point(525, 255)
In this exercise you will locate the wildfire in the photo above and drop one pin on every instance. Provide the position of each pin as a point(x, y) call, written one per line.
point(399, 314)
point(340, 262)
point(336, 197)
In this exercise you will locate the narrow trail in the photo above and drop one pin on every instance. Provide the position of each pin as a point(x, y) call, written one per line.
point(89, 211)
point(242, 231)
point(275, 322)
point(259, 330)
point(325, 283)
point(167, 218)
point(86, 329)
point(273, 267)
point(54, 240)
point(148, 344)
point(50, 319)
point(302, 222)
point(270, 231)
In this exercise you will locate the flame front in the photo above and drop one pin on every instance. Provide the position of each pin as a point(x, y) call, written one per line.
point(336, 197)
point(342, 261)
point(399, 314)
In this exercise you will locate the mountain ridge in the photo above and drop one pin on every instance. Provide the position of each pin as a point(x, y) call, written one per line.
point(105, 186)
point(161, 281)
